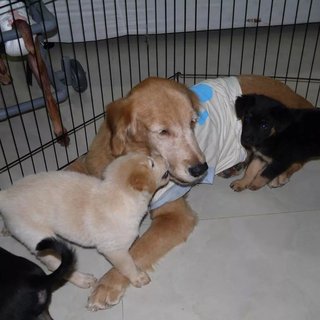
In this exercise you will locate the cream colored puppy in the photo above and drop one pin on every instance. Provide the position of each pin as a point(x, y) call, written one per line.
point(87, 211)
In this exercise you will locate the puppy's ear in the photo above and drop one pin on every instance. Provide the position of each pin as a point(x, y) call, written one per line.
point(141, 181)
point(243, 104)
point(119, 118)
point(281, 117)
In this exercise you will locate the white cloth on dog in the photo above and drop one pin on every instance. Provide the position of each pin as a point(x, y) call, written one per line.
point(217, 131)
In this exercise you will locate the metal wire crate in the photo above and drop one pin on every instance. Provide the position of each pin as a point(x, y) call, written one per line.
point(119, 43)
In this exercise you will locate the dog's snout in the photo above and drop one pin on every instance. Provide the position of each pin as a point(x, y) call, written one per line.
point(198, 170)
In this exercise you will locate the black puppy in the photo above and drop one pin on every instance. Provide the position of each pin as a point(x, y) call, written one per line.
point(279, 139)
point(25, 290)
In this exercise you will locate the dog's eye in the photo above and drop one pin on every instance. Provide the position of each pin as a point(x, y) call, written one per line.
point(151, 162)
point(163, 132)
point(264, 125)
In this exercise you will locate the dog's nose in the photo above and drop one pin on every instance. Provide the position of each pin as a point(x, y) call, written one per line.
point(198, 170)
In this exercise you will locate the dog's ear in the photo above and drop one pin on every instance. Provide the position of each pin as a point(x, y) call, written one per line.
point(194, 100)
point(281, 117)
point(243, 104)
point(189, 93)
point(141, 181)
point(119, 119)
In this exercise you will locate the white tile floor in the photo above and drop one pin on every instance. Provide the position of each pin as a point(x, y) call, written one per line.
point(253, 255)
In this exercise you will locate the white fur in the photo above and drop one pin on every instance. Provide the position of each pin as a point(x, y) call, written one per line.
point(85, 210)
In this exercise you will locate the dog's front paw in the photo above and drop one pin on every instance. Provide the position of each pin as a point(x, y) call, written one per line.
point(83, 280)
point(108, 291)
point(279, 181)
point(141, 280)
point(258, 183)
point(238, 185)
point(104, 297)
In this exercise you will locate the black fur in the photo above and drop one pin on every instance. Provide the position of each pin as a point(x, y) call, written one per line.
point(25, 290)
point(284, 135)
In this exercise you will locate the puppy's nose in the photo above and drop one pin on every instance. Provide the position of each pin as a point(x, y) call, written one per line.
point(198, 170)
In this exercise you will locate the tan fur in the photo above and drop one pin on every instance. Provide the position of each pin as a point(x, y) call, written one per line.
point(142, 182)
point(159, 103)
point(86, 210)
point(156, 117)
point(253, 180)
point(273, 89)
point(251, 177)
point(283, 178)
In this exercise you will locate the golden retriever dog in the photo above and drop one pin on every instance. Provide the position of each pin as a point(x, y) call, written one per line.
point(161, 116)
point(88, 211)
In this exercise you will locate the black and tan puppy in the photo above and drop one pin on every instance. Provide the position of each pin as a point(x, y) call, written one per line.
point(278, 138)
point(25, 290)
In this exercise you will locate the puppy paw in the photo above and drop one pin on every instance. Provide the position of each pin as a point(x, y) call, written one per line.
point(258, 183)
point(83, 280)
point(233, 171)
point(238, 185)
point(278, 181)
point(141, 280)
point(89, 281)
point(104, 297)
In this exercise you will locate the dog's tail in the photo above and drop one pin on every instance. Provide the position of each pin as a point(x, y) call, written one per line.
point(67, 257)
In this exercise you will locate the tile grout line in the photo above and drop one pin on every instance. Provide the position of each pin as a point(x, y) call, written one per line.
point(259, 215)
